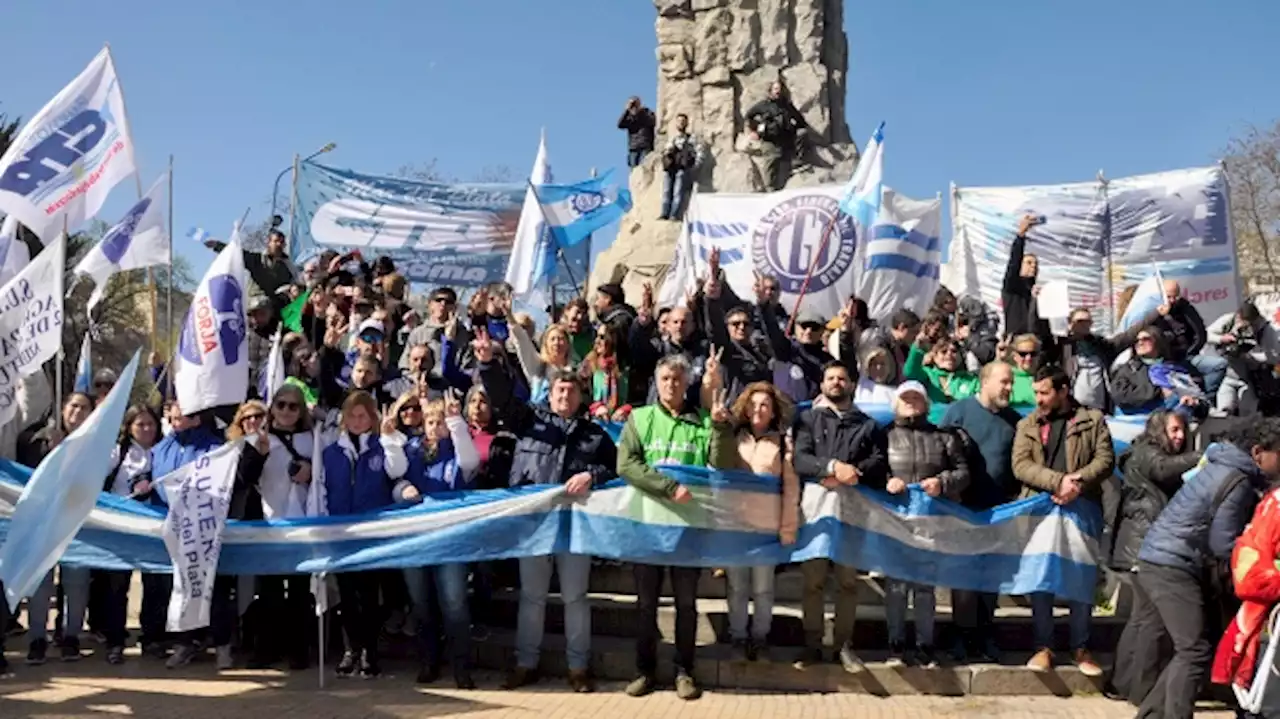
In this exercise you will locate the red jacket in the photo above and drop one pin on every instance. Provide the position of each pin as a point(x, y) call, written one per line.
point(1257, 584)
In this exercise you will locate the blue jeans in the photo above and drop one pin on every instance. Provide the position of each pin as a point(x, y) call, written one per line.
point(673, 190)
point(750, 584)
point(895, 609)
point(1214, 369)
point(450, 591)
point(535, 583)
point(75, 590)
point(635, 157)
point(1042, 621)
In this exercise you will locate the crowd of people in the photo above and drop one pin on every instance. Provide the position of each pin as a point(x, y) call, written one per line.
point(414, 402)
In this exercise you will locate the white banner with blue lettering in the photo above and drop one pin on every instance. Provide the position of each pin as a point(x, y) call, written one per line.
point(31, 319)
point(459, 234)
point(779, 234)
point(1102, 237)
point(1017, 548)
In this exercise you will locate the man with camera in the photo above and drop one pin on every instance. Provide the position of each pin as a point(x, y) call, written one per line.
point(1252, 349)
point(639, 122)
point(680, 160)
point(780, 131)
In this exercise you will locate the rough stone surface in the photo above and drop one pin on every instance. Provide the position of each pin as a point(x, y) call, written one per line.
point(716, 59)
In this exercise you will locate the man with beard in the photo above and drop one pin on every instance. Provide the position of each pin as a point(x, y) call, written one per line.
point(988, 425)
point(1064, 449)
point(844, 447)
point(576, 320)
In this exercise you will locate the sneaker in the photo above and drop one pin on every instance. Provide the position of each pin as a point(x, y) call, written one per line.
point(897, 656)
point(849, 660)
point(810, 657)
point(115, 655)
point(640, 686)
point(738, 651)
point(1086, 665)
point(989, 653)
point(1042, 661)
point(428, 673)
point(519, 677)
point(224, 659)
point(182, 656)
point(580, 681)
point(462, 680)
point(70, 650)
point(686, 688)
point(347, 665)
point(369, 667)
point(759, 651)
point(155, 650)
point(926, 657)
point(958, 652)
point(36, 654)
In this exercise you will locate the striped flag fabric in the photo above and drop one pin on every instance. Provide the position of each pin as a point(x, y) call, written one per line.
point(861, 199)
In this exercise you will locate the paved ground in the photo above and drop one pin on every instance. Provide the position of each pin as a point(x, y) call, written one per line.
point(144, 689)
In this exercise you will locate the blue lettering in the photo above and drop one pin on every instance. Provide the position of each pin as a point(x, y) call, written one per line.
point(54, 154)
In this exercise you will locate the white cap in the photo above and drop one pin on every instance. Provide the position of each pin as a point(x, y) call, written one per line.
point(910, 386)
point(371, 324)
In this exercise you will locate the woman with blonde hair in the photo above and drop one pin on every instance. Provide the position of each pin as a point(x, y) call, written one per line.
point(358, 480)
point(760, 417)
point(554, 354)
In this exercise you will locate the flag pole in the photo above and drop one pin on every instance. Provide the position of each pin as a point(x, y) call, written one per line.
point(559, 251)
point(168, 301)
point(293, 201)
point(320, 587)
point(804, 286)
point(57, 365)
point(590, 239)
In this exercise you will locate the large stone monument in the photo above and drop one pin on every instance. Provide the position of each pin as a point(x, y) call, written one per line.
point(717, 58)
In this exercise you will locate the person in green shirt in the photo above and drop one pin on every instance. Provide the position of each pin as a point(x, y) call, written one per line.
point(941, 370)
point(1024, 355)
point(576, 320)
point(673, 433)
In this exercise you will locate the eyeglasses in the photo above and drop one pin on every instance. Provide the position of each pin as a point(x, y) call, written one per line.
point(410, 408)
point(251, 417)
point(1026, 354)
point(737, 323)
point(1145, 338)
point(946, 350)
point(288, 406)
point(102, 385)
point(445, 300)
point(1082, 321)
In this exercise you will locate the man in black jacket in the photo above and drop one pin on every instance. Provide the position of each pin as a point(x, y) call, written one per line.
point(1185, 336)
point(781, 130)
point(844, 447)
point(556, 444)
point(639, 122)
point(1018, 294)
point(745, 361)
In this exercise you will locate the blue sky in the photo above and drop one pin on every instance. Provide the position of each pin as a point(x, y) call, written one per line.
point(996, 92)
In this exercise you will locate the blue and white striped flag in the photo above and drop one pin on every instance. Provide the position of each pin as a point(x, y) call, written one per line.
point(861, 199)
point(533, 255)
point(1148, 296)
point(198, 235)
point(573, 212)
point(84, 369)
point(903, 255)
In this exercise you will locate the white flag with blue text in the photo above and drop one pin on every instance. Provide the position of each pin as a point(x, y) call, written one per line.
point(31, 317)
point(573, 212)
point(212, 362)
point(1148, 296)
point(13, 250)
point(861, 199)
point(60, 494)
point(62, 165)
point(533, 254)
point(902, 255)
point(199, 496)
point(139, 239)
point(271, 378)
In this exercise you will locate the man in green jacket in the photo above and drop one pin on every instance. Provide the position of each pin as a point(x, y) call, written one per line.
point(671, 433)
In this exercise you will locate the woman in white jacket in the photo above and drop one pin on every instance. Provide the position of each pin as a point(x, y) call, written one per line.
point(278, 464)
point(432, 446)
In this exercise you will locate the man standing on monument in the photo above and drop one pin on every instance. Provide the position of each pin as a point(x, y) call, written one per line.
point(780, 130)
point(681, 159)
point(639, 122)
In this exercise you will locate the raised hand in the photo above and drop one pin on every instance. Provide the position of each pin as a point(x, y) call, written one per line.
point(389, 425)
point(646, 304)
point(720, 407)
point(482, 346)
point(713, 263)
point(712, 366)
point(452, 404)
point(757, 287)
point(1026, 223)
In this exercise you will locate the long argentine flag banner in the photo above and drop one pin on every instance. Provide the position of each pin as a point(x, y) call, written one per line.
point(1027, 546)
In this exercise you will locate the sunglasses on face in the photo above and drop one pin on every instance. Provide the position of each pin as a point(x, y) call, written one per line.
point(250, 417)
point(1026, 354)
point(288, 406)
point(102, 385)
point(371, 338)
point(410, 408)
point(737, 323)
point(1145, 338)
point(947, 350)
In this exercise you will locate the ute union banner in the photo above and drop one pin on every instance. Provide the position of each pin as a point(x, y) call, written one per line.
point(1102, 237)
point(459, 234)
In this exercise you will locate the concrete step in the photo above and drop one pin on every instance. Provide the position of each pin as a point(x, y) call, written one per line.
point(616, 615)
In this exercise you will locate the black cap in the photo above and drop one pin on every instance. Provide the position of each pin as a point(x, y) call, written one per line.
point(613, 291)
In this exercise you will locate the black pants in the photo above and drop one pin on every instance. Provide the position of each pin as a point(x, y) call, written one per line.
point(361, 612)
point(113, 604)
point(283, 626)
point(974, 614)
point(156, 589)
point(1144, 648)
point(222, 615)
point(1179, 599)
point(684, 585)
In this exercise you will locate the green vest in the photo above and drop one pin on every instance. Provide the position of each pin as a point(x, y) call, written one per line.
point(673, 440)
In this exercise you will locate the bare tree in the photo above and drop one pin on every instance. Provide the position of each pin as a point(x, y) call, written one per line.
point(1253, 171)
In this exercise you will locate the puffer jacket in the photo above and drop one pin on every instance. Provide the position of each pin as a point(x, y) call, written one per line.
point(1150, 478)
point(767, 455)
point(181, 448)
point(823, 435)
point(919, 450)
point(1187, 535)
point(1090, 453)
point(356, 479)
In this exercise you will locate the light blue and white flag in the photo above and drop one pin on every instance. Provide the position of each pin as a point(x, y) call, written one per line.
point(58, 498)
point(861, 199)
point(199, 235)
point(272, 377)
point(63, 164)
point(84, 368)
point(533, 255)
point(1148, 296)
point(140, 239)
point(573, 212)
point(902, 255)
point(212, 362)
